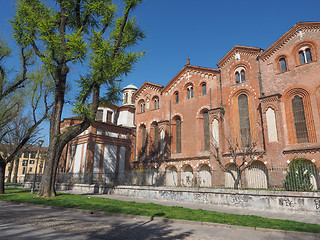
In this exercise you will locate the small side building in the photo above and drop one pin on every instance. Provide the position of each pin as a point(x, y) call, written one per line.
point(102, 152)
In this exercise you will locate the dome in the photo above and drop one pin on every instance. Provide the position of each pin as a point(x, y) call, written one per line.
point(130, 86)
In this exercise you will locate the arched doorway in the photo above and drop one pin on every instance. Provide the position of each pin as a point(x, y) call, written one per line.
point(229, 180)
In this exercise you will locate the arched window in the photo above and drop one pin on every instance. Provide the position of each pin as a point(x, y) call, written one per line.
point(244, 120)
point(144, 137)
point(190, 91)
point(305, 55)
point(283, 64)
point(162, 135)
point(142, 107)
point(126, 98)
point(299, 119)
point(206, 131)
point(215, 132)
point(156, 136)
point(204, 89)
point(176, 97)
point(240, 76)
point(132, 98)
point(178, 135)
point(156, 103)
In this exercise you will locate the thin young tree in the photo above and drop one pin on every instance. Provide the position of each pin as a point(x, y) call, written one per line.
point(242, 155)
point(94, 33)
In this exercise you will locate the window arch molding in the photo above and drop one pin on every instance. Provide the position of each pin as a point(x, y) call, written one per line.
point(141, 106)
point(288, 96)
point(204, 88)
point(235, 112)
point(155, 102)
point(189, 88)
point(301, 46)
point(279, 67)
point(239, 67)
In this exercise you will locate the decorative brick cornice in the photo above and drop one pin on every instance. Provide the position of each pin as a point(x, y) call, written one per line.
point(301, 150)
point(293, 32)
point(146, 86)
point(206, 73)
point(271, 98)
point(187, 158)
point(242, 50)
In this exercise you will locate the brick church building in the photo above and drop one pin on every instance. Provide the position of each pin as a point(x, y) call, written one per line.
point(270, 97)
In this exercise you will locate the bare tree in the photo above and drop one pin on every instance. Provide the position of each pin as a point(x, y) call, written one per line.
point(243, 156)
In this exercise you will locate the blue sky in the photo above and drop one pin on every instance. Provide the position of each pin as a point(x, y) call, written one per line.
point(202, 30)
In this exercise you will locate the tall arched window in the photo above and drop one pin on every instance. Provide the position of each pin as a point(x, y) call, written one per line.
point(204, 89)
point(178, 135)
point(190, 91)
point(206, 131)
point(283, 64)
point(162, 135)
point(156, 103)
point(156, 136)
point(299, 119)
point(176, 97)
point(132, 98)
point(126, 98)
point(142, 107)
point(144, 137)
point(244, 120)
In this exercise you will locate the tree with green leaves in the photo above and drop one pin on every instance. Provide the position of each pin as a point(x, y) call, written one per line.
point(28, 90)
point(98, 36)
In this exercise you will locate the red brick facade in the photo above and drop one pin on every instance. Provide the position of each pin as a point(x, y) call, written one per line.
point(278, 88)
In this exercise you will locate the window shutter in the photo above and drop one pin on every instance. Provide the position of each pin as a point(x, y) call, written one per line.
point(299, 120)
point(244, 120)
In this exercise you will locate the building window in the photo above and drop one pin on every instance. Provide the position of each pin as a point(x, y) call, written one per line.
point(31, 161)
point(23, 170)
point(204, 89)
point(30, 170)
point(24, 162)
point(178, 135)
point(299, 119)
point(190, 92)
point(25, 154)
point(283, 64)
point(126, 98)
point(206, 131)
point(162, 135)
point(240, 76)
point(99, 115)
point(156, 103)
point(33, 155)
point(109, 116)
point(142, 107)
point(156, 136)
point(305, 55)
point(144, 137)
point(177, 97)
point(244, 120)
point(132, 98)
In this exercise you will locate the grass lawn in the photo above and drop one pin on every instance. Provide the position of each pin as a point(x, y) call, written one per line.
point(150, 209)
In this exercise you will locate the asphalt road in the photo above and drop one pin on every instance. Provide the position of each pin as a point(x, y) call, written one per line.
point(23, 221)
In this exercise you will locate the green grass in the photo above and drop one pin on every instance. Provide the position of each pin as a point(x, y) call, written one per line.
point(150, 209)
point(13, 184)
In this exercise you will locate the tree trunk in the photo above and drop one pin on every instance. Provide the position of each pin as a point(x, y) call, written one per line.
point(238, 180)
point(2, 176)
point(15, 171)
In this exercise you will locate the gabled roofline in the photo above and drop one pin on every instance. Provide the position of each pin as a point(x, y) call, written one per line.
point(188, 66)
point(237, 48)
point(147, 84)
point(285, 37)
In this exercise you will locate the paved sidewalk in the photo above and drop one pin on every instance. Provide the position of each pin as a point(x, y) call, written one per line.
point(294, 216)
point(27, 221)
